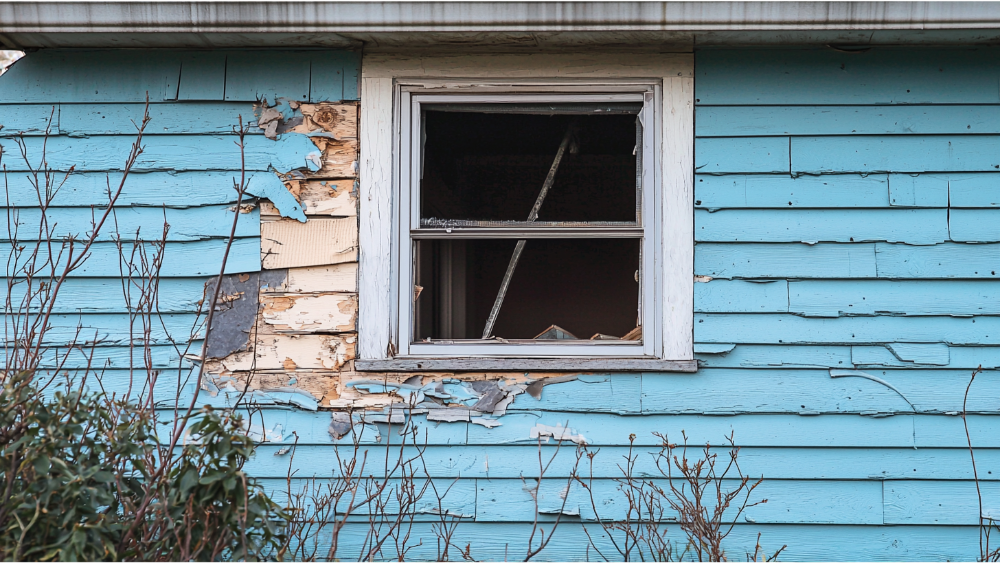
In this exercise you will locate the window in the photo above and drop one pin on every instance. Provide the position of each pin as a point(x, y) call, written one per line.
point(528, 230)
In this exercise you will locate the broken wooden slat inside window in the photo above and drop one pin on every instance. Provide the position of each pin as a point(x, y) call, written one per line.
point(485, 272)
point(567, 144)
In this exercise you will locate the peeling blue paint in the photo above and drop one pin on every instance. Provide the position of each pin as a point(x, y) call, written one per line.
point(268, 186)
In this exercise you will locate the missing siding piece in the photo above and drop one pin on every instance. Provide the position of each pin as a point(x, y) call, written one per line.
point(235, 314)
point(341, 424)
point(268, 120)
point(320, 242)
point(327, 313)
point(721, 349)
point(339, 120)
point(332, 198)
point(535, 388)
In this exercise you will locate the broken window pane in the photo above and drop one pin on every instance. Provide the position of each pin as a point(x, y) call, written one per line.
point(562, 289)
point(487, 162)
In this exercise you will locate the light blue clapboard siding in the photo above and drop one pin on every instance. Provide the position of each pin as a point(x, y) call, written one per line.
point(873, 154)
point(207, 118)
point(729, 121)
point(180, 259)
point(460, 499)
point(107, 75)
point(29, 119)
point(497, 541)
point(776, 328)
point(507, 462)
point(950, 260)
point(202, 76)
point(128, 75)
point(108, 329)
point(938, 502)
point(110, 358)
point(617, 393)
point(837, 191)
point(769, 260)
point(783, 191)
point(165, 118)
point(939, 431)
point(911, 226)
point(878, 222)
point(256, 75)
point(316, 76)
point(824, 76)
point(150, 189)
point(133, 223)
point(106, 295)
point(871, 297)
point(974, 225)
point(731, 155)
point(757, 430)
point(766, 356)
point(862, 260)
point(973, 190)
point(903, 355)
point(929, 190)
point(174, 152)
point(335, 75)
point(724, 296)
point(796, 502)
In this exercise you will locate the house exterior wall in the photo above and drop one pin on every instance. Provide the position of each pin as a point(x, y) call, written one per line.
point(840, 306)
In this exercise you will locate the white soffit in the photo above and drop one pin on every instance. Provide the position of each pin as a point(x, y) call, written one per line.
point(517, 24)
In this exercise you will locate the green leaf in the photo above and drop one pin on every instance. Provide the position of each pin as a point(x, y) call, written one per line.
point(41, 465)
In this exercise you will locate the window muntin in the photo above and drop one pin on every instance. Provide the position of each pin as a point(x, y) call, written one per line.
point(465, 196)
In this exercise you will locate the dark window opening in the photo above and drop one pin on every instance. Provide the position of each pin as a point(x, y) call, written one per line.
point(490, 166)
point(586, 287)
point(516, 167)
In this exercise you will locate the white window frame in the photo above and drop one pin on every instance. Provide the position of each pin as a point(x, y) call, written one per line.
point(393, 88)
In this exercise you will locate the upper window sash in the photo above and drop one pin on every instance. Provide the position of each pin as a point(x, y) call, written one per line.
point(409, 229)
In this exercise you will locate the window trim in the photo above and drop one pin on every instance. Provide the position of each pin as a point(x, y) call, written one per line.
point(410, 100)
point(387, 100)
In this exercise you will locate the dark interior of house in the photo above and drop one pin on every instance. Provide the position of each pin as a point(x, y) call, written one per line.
point(490, 165)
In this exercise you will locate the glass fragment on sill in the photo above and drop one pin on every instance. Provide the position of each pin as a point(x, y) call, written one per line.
point(555, 332)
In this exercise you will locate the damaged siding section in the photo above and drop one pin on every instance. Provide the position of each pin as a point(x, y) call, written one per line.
point(294, 103)
point(299, 330)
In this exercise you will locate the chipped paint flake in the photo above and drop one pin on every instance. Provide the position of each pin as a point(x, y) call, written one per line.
point(557, 432)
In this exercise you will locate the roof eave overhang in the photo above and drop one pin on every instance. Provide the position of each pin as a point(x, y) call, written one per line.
point(175, 24)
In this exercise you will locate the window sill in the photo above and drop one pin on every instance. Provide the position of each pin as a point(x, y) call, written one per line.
point(526, 364)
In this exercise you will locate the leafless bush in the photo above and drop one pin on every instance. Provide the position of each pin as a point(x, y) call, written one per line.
point(988, 523)
point(383, 496)
point(694, 497)
point(534, 548)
